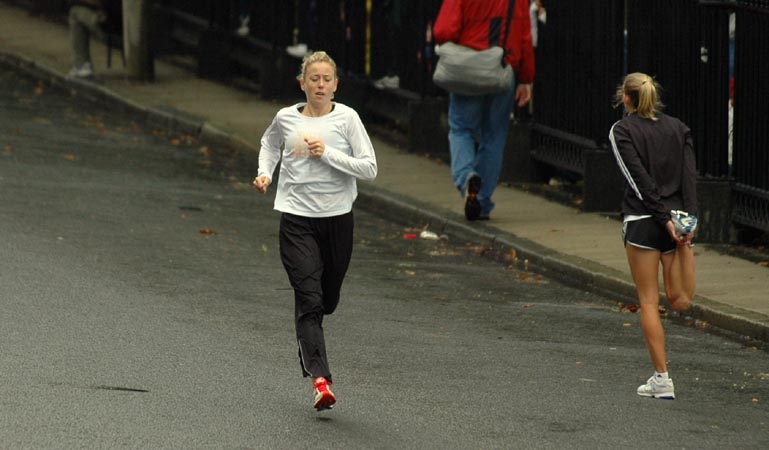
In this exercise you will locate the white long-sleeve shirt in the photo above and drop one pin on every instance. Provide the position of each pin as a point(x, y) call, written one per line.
point(322, 187)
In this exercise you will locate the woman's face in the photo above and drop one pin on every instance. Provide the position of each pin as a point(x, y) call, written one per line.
point(319, 83)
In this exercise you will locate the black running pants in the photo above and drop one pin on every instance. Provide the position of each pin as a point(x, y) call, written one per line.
point(316, 254)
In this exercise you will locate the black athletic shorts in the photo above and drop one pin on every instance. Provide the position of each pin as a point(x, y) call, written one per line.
point(648, 234)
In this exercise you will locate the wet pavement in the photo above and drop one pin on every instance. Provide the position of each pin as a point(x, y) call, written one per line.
point(145, 306)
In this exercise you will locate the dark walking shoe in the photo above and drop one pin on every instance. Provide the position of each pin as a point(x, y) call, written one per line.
point(324, 398)
point(472, 205)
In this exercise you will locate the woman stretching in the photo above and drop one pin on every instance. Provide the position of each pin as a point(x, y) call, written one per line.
point(655, 153)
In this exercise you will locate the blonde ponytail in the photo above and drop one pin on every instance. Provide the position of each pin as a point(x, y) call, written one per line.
point(642, 90)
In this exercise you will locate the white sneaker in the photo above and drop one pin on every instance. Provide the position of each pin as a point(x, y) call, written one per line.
point(393, 82)
point(655, 387)
point(84, 71)
point(298, 50)
point(243, 30)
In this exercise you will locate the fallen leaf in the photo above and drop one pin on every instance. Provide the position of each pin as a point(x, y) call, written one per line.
point(207, 231)
point(764, 263)
point(70, 157)
point(701, 324)
point(264, 248)
point(631, 308)
point(755, 400)
point(409, 272)
point(7, 149)
point(627, 324)
point(528, 305)
point(205, 151)
point(241, 186)
point(176, 141)
point(38, 90)
point(92, 122)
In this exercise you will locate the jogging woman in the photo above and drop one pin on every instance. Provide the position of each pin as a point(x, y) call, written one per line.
point(655, 153)
point(323, 148)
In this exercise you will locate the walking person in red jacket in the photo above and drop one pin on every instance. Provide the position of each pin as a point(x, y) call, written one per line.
point(478, 124)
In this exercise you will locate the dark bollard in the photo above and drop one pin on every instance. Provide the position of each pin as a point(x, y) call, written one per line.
point(278, 76)
point(50, 8)
point(604, 184)
point(428, 127)
point(214, 49)
point(714, 201)
point(353, 91)
point(517, 164)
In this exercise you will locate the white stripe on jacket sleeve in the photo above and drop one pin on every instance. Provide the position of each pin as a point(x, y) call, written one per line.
point(621, 163)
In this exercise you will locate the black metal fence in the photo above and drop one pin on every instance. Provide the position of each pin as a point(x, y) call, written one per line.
point(583, 52)
point(579, 60)
point(751, 116)
point(685, 44)
point(366, 37)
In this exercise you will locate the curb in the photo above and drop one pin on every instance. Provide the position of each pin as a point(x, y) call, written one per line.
point(166, 118)
point(571, 270)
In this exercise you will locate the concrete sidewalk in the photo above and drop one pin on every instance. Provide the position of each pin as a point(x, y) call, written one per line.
point(579, 248)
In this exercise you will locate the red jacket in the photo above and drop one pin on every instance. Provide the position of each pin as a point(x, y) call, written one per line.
point(469, 22)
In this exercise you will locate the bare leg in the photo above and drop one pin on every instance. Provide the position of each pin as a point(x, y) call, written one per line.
point(644, 266)
point(678, 274)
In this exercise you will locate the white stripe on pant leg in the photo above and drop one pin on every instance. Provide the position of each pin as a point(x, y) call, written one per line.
point(301, 359)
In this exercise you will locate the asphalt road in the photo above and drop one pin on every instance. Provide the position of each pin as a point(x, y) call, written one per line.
point(143, 305)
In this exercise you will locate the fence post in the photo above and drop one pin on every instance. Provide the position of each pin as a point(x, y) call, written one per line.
point(136, 39)
point(604, 184)
point(428, 126)
point(517, 164)
point(714, 201)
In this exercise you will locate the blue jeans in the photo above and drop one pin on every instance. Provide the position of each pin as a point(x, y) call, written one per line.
point(478, 128)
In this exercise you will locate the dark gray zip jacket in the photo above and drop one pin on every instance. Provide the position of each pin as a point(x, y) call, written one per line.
point(657, 160)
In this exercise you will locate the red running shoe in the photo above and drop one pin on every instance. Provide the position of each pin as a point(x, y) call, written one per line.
point(324, 398)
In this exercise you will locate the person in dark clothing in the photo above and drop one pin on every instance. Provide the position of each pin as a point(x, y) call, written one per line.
point(86, 17)
point(478, 124)
point(655, 153)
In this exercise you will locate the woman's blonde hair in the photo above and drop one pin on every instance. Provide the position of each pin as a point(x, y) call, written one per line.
point(642, 91)
point(315, 57)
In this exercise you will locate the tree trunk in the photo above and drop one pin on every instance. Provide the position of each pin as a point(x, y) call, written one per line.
point(136, 40)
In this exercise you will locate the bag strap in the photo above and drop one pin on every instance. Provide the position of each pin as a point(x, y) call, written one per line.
point(510, 8)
